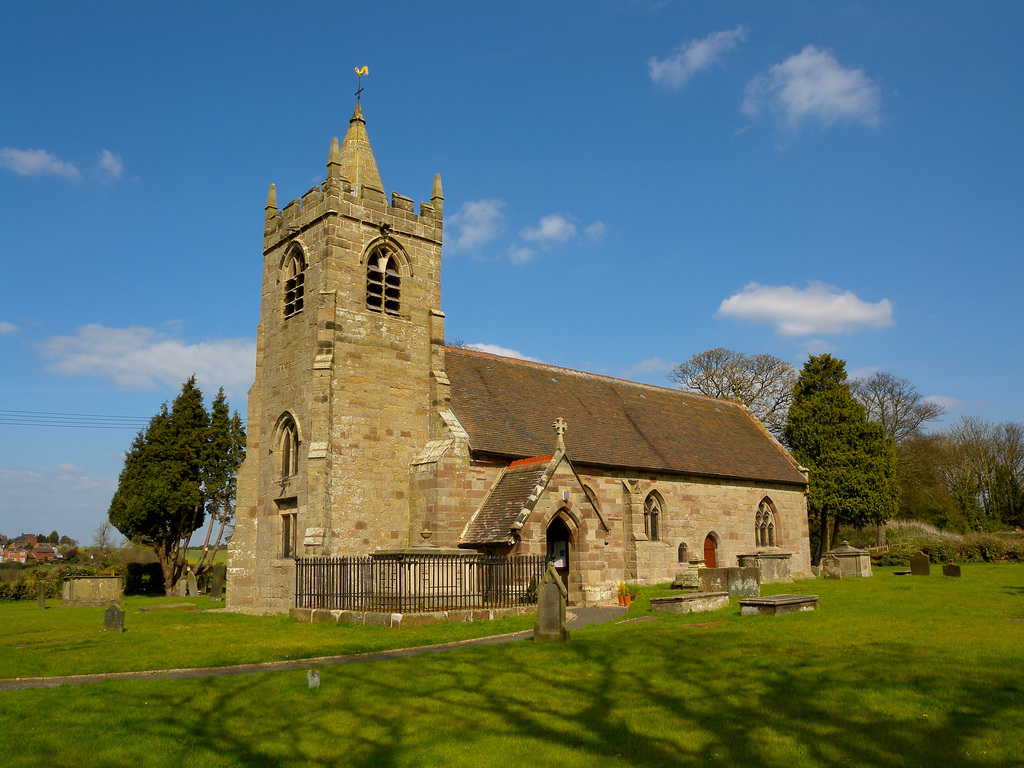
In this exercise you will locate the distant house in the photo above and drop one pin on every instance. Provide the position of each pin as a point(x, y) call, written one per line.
point(15, 554)
point(44, 553)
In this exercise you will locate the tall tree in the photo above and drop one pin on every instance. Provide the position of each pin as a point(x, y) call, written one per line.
point(161, 494)
point(763, 383)
point(227, 449)
point(895, 404)
point(851, 461)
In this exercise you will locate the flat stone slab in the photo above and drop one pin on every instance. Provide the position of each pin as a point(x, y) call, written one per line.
point(901, 573)
point(694, 602)
point(777, 605)
point(168, 607)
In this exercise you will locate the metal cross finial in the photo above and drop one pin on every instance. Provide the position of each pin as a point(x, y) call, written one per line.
point(360, 71)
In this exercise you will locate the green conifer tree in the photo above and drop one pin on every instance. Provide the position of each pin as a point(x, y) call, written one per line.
point(852, 463)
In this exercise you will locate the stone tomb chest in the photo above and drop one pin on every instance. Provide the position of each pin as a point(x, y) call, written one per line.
point(773, 566)
point(93, 590)
point(853, 562)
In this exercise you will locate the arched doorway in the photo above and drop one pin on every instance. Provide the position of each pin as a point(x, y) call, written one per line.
point(558, 548)
point(710, 552)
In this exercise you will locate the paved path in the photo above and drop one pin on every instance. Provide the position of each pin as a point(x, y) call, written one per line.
point(583, 617)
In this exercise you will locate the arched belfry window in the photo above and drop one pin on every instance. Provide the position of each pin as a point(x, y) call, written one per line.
point(383, 283)
point(288, 448)
point(765, 528)
point(652, 517)
point(294, 283)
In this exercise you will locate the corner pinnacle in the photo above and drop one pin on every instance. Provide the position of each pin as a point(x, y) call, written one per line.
point(271, 199)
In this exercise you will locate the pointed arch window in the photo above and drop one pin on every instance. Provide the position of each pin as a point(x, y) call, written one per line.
point(764, 525)
point(383, 283)
point(652, 517)
point(288, 445)
point(294, 283)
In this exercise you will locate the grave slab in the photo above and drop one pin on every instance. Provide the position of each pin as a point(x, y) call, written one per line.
point(951, 569)
point(777, 605)
point(920, 565)
point(113, 619)
point(695, 602)
point(551, 596)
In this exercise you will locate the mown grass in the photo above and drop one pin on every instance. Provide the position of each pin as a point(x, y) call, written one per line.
point(890, 671)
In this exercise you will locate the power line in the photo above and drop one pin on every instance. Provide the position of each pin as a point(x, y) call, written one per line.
point(71, 420)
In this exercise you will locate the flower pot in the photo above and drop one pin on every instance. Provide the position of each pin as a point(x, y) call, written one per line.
point(626, 600)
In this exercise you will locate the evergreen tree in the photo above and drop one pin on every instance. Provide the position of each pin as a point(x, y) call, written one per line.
point(852, 463)
point(162, 493)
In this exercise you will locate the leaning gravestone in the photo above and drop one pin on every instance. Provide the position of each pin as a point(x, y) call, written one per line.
point(551, 595)
point(41, 593)
point(217, 585)
point(951, 569)
point(113, 619)
point(920, 564)
point(190, 584)
point(831, 568)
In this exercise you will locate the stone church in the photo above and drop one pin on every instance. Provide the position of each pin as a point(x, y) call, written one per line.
point(367, 433)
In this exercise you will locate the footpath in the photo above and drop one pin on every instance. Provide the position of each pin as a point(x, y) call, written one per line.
point(581, 617)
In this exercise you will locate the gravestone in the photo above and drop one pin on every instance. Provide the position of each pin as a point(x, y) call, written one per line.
point(181, 588)
point(686, 579)
point(113, 619)
point(41, 593)
point(951, 569)
point(551, 595)
point(831, 568)
point(217, 585)
point(313, 678)
point(190, 584)
point(920, 564)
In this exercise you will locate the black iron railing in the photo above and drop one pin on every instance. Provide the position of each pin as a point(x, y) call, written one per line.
point(412, 583)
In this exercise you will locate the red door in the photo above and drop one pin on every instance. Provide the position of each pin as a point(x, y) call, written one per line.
point(709, 553)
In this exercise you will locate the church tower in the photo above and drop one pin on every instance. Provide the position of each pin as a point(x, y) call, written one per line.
point(349, 374)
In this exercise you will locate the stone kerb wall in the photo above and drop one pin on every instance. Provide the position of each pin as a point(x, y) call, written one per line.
point(93, 590)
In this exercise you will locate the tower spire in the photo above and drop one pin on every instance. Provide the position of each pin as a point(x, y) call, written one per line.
point(356, 158)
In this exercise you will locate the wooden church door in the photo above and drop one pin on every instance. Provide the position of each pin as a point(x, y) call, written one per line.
point(710, 553)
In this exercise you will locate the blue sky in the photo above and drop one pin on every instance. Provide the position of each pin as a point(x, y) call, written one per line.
point(626, 184)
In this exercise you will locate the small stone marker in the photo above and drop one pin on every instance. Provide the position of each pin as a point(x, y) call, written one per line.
point(951, 569)
point(920, 564)
point(41, 593)
point(313, 678)
point(190, 584)
point(217, 587)
point(113, 619)
point(180, 589)
point(831, 568)
point(551, 595)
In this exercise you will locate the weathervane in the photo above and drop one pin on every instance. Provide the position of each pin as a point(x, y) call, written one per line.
point(360, 71)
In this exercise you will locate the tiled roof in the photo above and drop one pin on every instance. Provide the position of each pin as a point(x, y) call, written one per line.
point(493, 523)
point(507, 406)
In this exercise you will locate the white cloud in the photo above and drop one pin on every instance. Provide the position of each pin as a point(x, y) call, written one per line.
point(67, 477)
point(111, 165)
point(816, 309)
point(596, 231)
point(494, 349)
point(694, 56)
point(552, 229)
point(818, 347)
point(520, 254)
point(140, 358)
point(651, 365)
point(949, 403)
point(812, 84)
point(8, 327)
point(476, 223)
point(36, 162)
point(863, 373)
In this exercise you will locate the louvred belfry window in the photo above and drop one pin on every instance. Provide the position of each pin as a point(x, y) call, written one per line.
point(383, 284)
point(294, 285)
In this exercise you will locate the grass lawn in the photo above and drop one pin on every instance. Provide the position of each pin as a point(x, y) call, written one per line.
point(890, 671)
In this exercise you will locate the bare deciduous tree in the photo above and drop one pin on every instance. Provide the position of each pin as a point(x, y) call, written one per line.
point(895, 404)
point(763, 383)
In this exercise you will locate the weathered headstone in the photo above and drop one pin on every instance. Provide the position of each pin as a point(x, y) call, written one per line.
point(686, 579)
point(113, 619)
point(181, 588)
point(217, 584)
point(41, 593)
point(313, 678)
point(831, 568)
point(951, 569)
point(920, 565)
point(190, 584)
point(551, 595)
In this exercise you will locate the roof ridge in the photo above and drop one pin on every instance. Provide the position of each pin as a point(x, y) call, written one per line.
point(531, 460)
point(537, 364)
